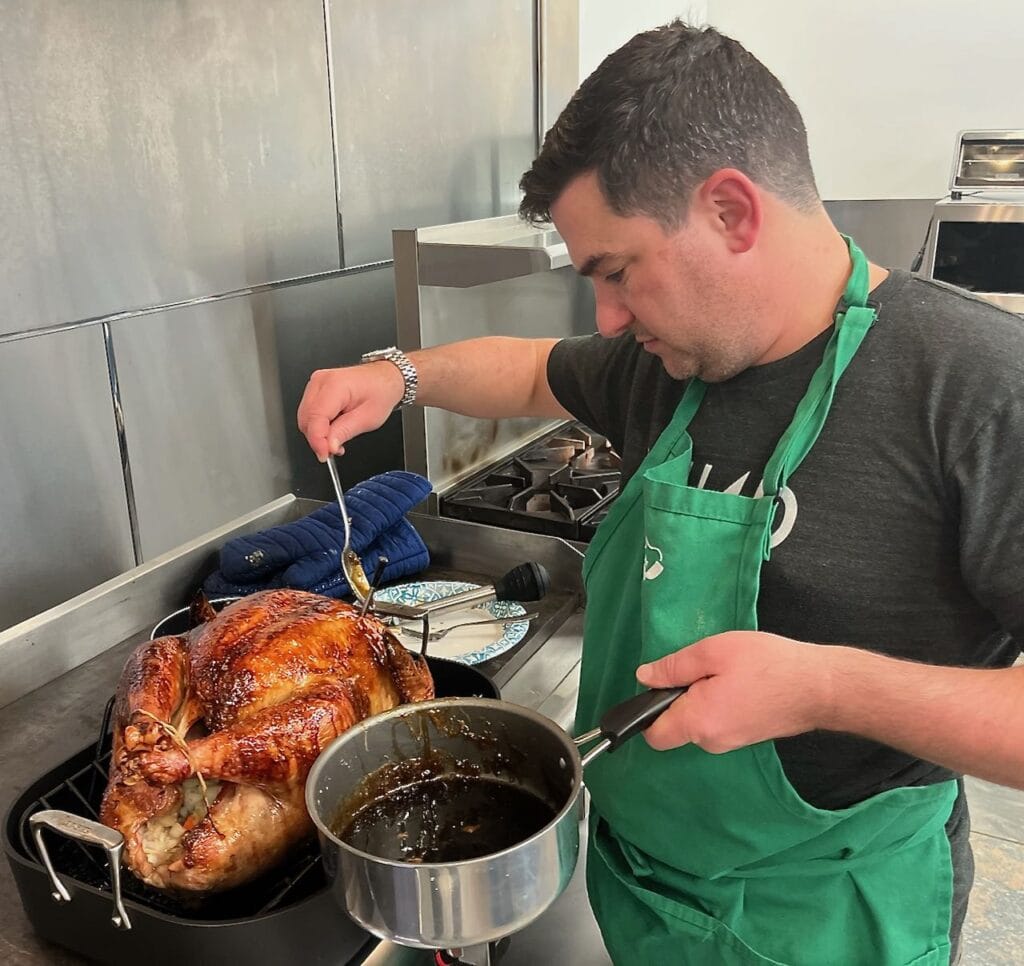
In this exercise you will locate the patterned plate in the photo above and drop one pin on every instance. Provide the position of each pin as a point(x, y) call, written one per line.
point(469, 645)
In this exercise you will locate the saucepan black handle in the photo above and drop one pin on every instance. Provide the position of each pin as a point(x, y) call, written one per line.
point(621, 722)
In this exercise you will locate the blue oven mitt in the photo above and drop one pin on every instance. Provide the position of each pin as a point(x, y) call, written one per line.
point(306, 554)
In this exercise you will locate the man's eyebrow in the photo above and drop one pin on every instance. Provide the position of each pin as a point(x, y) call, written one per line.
point(593, 263)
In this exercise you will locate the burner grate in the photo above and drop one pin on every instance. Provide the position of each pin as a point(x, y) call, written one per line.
point(562, 501)
point(555, 486)
point(598, 461)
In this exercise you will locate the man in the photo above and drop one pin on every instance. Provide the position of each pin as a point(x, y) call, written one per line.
point(819, 532)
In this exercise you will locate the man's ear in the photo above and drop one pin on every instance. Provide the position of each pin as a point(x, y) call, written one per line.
point(732, 203)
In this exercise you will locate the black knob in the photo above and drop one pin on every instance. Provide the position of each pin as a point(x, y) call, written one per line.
point(528, 581)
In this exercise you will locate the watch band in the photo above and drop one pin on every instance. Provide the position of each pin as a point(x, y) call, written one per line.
point(404, 365)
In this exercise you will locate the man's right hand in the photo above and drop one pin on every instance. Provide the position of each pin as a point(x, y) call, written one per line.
point(339, 404)
point(493, 377)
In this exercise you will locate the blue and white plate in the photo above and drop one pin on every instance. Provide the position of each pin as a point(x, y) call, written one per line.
point(468, 645)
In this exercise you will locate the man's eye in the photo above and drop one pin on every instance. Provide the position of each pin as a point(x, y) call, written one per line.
point(615, 277)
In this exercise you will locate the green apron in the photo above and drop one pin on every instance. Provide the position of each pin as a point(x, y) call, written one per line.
point(715, 859)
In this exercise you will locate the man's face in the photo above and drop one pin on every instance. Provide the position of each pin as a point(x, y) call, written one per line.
point(682, 294)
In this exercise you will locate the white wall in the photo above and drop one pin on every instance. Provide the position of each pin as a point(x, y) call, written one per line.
point(607, 24)
point(884, 85)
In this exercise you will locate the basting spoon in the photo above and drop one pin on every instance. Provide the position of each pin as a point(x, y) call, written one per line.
point(350, 565)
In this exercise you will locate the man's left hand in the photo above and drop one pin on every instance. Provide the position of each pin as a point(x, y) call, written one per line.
point(748, 686)
point(745, 687)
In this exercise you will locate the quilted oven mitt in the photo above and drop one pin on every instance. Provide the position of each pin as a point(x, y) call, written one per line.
point(306, 553)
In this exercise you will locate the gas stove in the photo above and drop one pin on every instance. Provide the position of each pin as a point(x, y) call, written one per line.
point(561, 485)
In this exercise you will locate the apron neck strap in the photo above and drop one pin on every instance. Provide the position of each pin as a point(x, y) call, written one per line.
point(858, 285)
point(852, 322)
point(668, 443)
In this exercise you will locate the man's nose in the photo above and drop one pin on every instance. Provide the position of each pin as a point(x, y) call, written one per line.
point(613, 317)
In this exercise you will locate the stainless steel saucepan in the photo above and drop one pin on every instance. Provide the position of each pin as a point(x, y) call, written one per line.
point(466, 903)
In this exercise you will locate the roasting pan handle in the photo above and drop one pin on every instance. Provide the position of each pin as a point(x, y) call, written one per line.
point(91, 833)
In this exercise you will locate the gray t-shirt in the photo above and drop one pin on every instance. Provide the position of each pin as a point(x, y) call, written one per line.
point(905, 533)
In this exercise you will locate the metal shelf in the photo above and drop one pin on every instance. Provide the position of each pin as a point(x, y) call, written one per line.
point(489, 250)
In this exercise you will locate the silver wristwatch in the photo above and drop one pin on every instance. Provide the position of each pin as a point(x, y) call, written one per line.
point(404, 365)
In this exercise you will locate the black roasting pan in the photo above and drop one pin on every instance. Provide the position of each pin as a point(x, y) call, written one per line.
point(286, 916)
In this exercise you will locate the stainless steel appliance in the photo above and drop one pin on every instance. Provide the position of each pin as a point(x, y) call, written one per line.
point(976, 236)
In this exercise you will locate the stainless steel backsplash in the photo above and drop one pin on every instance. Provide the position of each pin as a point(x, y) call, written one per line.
point(196, 202)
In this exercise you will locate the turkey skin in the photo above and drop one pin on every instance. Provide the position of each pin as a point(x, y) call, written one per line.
point(215, 732)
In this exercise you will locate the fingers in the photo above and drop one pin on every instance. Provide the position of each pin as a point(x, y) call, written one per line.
point(340, 404)
point(316, 431)
point(314, 415)
point(680, 667)
point(328, 395)
point(676, 725)
point(672, 728)
point(348, 425)
point(744, 687)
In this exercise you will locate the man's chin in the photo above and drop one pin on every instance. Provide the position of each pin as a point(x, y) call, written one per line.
point(687, 367)
point(680, 368)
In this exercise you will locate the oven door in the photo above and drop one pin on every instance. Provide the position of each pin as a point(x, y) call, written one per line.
point(979, 246)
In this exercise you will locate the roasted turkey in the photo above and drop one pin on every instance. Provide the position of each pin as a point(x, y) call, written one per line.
point(246, 701)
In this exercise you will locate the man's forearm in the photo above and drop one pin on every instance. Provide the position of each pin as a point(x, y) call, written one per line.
point(968, 720)
point(492, 378)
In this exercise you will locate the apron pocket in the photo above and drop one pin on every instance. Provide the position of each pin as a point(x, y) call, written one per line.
point(702, 564)
point(930, 806)
point(641, 925)
point(645, 920)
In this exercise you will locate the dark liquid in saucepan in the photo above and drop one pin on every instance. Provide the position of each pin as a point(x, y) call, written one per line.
point(445, 820)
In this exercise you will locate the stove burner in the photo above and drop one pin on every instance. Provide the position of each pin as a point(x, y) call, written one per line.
point(589, 528)
point(538, 503)
point(536, 471)
point(561, 448)
point(597, 460)
point(556, 486)
point(552, 454)
point(496, 492)
point(561, 501)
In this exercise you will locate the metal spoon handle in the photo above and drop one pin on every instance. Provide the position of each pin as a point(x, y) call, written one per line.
point(332, 468)
point(350, 564)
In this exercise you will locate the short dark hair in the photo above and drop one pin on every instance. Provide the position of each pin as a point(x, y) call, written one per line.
point(660, 115)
